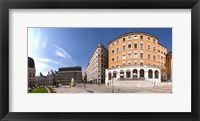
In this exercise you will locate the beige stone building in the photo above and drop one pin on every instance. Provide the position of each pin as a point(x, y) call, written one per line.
point(136, 56)
point(95, 70)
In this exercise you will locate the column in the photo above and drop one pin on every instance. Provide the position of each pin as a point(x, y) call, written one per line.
point(153, 74)
point(159, 77)
point(131, 73)
point(146, 75)
point(138, 74)
point(124, 74)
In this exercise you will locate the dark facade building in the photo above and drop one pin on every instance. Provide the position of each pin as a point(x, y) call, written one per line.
point(31, 72)
point(65, 75)
point(169, 65)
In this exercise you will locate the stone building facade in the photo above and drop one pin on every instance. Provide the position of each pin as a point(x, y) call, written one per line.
point(95, 70)
point(136, 56)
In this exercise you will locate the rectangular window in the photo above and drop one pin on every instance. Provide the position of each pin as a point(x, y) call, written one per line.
point(154, 49)
point(149, 38)
point(135, 63)
point(141, 46)
point(154, 57)
point(129, 46)
point(159, 51)
point(129, 55)
point(117, 59)
point(113, 51)
point(141, 37)
point(124, 47)
point(123, 63)
point(124, 39)
point(124, 56)
point(149, 56)
point(117, 41)
point(141, 63)
point(141, 55)
point(129, 37)
point(113, 44)
point(113, 59)
point(149, 47)
point(129, 62)
point(117, 50)
point(158, 56)
point(135, 36)
point(135, 55)
point(154, 40)
point(135, 46)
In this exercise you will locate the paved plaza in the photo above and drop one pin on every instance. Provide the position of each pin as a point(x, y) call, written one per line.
point(165, 87)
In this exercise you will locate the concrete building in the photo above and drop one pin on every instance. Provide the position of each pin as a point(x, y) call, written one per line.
point(31, 72)
point(65, 75)
point(169, 65)
point(95, 70)
point(136, 56)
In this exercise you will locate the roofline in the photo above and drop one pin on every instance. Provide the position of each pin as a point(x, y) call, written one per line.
point(131, 33)
point(101, 45)
point(162, 45)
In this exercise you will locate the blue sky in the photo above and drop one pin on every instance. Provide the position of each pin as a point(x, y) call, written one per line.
point(52, 48)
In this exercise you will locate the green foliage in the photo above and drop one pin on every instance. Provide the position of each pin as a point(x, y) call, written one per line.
point(39, 90)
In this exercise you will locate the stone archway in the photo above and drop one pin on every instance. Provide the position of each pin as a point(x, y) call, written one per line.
point(141, 73)
point(135, 73)
point(121, 74)
point(114, 74)
point(156, 74)
point(128, 73)
point(150, 74)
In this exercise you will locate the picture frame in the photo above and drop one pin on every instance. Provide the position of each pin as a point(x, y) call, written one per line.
point(6, 5)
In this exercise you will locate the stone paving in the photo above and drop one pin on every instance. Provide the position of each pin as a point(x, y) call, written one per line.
point(162, 88)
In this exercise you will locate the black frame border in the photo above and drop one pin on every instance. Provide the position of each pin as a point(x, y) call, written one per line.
point(5, 5)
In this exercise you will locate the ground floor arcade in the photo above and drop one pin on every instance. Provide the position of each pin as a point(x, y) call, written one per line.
point(133, 73)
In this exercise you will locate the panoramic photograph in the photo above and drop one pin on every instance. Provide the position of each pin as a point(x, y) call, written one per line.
point(99, 60)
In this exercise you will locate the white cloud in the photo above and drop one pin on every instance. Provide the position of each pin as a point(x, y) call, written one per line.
point(36, 40)
point(47, 60)
point(60, 52)
point(42, 67)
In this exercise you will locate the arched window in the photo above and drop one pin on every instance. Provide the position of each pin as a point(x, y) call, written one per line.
point(142, 73)
point(156, 74)
point(128, 73)
point(150, 74)
point(135, 73)
point(121, 74)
